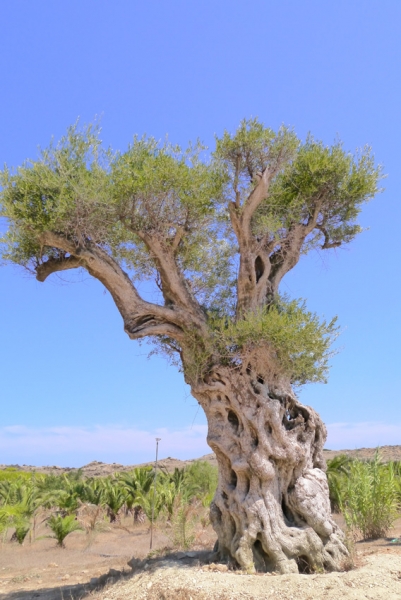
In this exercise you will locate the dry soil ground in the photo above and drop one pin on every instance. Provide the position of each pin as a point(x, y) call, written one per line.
point(97, 569)
point(100, 571)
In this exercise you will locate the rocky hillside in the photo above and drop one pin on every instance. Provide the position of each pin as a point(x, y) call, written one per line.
point(99, 469)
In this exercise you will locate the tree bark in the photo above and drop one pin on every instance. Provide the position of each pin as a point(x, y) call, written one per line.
point(271, 510)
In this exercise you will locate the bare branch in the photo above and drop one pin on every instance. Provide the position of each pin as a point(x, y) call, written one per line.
point(327, 244)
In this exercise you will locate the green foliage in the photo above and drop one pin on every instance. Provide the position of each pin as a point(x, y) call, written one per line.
point(62, 526)
point(61, 491)
point(22, 528)
point(152, 504)
point(90, 195)
point(201, 480)
point(12, 474)
point(93, 492)
point(337, 471)
point(137, 481)
point(182, 522)
point(114, 497)
point(324, 176)
point(157, 184)
point(59, 191)
point(18, 503)
point(367, 496)
point(83, 502)
point(252, 149)
point(297, 341)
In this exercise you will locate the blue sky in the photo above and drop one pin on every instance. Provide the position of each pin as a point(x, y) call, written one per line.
point(73, 387)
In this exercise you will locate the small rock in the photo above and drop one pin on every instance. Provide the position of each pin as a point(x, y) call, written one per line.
point(149, 585)
point(84, 571)
point(190, 554)
point(52, 565)
point(219, 568)
point(222, 568)
point(65, 577)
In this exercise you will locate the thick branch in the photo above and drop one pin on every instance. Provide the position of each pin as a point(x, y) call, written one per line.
point(174, 288)
point(177, 239)
point(254, 265)
point(254, 199)
point(53, 265)
point(140, 318)
point(289, 252)
point(154, 328)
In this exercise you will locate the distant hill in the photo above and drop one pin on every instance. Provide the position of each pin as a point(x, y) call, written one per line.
point(99, 469)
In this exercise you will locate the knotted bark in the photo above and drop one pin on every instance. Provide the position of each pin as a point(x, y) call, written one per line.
point(271, 510)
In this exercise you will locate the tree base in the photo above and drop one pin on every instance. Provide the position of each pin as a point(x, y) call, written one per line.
point(271, 511)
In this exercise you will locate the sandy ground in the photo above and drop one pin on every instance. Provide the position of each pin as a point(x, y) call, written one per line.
point(99, 570)
point(379, 578)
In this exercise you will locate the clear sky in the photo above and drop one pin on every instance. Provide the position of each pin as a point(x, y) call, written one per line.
point(73, 387)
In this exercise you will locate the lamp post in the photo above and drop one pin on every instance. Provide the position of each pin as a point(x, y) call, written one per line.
point(154, 495)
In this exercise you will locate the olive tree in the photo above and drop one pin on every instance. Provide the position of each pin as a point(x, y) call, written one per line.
point(216, 234)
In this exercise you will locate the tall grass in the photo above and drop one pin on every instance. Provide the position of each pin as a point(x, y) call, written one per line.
point(367, 494)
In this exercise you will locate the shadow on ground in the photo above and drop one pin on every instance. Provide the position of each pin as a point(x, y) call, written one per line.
point(72, 592)
point(81, 591)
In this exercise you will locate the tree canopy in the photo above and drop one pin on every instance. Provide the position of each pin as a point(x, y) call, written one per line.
point(216, 232)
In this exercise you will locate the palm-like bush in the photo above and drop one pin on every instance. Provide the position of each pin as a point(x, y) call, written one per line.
point(337, 471)
point(63, 492)
point(169, 491)
point(62, 526)
point(137, 484)
point(19, 504)
point(152, 504)
point(13, 516)
point(22, 528)
point(93, 492)
point(137, 480)
point(114, 498)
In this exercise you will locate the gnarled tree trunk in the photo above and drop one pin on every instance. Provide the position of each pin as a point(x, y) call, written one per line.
point(271, 511)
